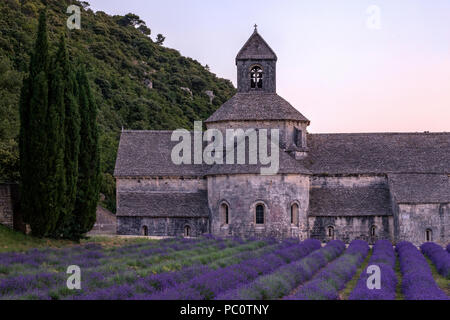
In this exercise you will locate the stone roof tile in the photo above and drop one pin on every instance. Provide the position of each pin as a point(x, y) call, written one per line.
point(378, 153)
point(420, 188)
point(256, 48)
point(357, 201)
point(148, 153)
point(256, 107)
point(163, 204)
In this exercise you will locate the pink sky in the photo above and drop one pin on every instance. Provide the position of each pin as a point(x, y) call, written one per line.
point(342, 75)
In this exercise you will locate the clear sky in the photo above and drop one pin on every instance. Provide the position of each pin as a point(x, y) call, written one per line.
point(346, 65)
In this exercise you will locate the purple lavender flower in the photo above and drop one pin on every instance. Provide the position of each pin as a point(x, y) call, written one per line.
point(210, 284)
point(418, 282)
point(280, 282)
point(327, 284)
point(384, 257)
point(439, 257)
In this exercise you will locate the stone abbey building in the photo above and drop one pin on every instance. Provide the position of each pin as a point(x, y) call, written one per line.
point(329, 186)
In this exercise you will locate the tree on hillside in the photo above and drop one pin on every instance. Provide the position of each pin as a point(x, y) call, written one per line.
point(63, 91)
point(144, 29)
point(130, 19)
point(160, 39)
point(39, 163)
point(89, 178)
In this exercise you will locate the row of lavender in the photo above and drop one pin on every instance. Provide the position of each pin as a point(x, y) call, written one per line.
point(327, 284)
point(210, 285)
point(284, 280)
point(383, 256)
point(417, 279)
point(439, 257)
point(41, 274)
point(154, 284)
point(211, 268)
point(417, 282)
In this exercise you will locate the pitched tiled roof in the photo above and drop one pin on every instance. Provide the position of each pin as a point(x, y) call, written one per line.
point(256, 106)
point(420, 188)
point(163, 204)
point(356, 201)
point(378, 153)
point(256, 48)
point(148, 153)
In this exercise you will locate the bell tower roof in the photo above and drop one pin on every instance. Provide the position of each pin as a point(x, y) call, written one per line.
point(256, 48)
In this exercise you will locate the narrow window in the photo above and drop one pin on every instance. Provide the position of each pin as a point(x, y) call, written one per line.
point(256, 77)
point(298, 137)
point(429, 235)
point(294, 214)
point(331, 232)
point(224, 213)
point(145, 231)
point(373, 230)
point(187, 231)
point(259, 214)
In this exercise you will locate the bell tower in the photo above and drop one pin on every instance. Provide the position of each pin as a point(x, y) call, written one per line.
point(256, 66)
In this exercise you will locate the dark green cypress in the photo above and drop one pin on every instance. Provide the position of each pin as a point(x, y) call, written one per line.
point(89, 160)
point(37, 152)
point(63, 93)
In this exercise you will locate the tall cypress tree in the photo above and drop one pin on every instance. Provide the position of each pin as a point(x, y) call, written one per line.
point(38, 160)
point(63, 97)
point(89, 160)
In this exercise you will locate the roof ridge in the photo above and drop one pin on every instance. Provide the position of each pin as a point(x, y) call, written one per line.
point(245, 46)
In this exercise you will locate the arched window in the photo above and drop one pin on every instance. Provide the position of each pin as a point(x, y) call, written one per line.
point(260, 214)
point(187, 231)
point(429, 235)
point(256, 77)
point(224, 213)
point(294, 214)
point(330, 232)
point(373, 231)
point(145, 231)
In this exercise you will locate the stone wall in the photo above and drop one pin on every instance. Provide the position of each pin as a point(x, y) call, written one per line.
point(348, 228)
point(351, 228)
point(105, 223)
point(160, 226)
point(415, 219)
point(286, 129)
point(244, 192)
point(269, 75)
point(171, 227)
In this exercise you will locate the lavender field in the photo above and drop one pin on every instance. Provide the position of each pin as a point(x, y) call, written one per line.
point(211, 268)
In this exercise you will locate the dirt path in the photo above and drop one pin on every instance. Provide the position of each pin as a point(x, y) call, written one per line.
point(345, 293)
point(441, 281)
